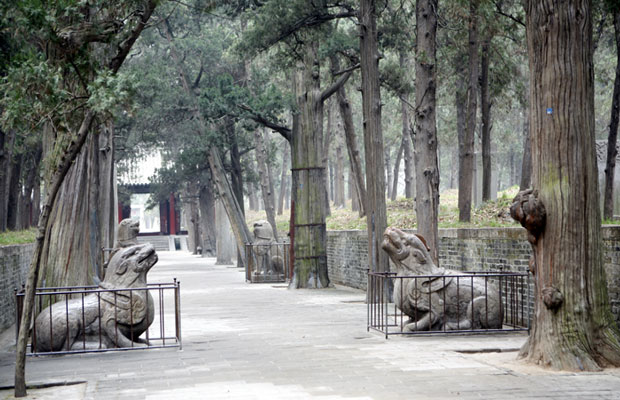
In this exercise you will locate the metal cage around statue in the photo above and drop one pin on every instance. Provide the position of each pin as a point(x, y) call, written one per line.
point(267, 263)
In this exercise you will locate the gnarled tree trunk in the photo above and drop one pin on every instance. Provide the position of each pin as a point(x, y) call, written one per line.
point(573, 327)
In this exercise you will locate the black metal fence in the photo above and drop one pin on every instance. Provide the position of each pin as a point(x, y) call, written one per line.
point(267, 263)
point(429, 304)
point(163, 331)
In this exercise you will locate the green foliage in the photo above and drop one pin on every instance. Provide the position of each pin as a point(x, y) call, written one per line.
point(9, 238)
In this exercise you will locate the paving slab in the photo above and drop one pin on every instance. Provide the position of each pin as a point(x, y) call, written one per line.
point(264, 341)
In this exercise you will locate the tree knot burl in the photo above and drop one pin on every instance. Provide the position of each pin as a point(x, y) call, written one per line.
point(552, 297)
point(530, 212)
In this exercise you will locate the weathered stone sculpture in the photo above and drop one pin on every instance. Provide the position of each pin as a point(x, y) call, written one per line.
point(269, 261)
point(127, 233)
point(122, 317)
point(439, 302)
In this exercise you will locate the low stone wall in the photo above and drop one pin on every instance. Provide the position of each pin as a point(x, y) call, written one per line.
point(14, 264)
point(484, 249)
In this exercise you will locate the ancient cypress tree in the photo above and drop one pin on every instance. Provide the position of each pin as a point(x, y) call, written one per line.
point(573, 325)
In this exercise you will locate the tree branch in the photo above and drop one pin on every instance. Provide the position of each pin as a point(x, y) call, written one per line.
point(336, 85)
point(256, 117)
point(125, 45)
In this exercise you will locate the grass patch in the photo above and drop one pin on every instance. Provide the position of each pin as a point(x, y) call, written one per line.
point(401, 213)
point(18, 237)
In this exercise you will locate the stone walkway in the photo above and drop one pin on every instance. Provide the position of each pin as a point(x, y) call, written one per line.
point(262, 341)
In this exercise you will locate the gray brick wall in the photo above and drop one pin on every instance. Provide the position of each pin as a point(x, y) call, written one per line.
point(485, 249)
point(14, 264)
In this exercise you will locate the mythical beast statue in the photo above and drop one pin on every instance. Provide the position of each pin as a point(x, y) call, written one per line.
point(269, 259)
point(122, 317)
point(440, 302)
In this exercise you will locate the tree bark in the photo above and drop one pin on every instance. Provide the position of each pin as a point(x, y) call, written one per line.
point(308, 171)
point(376, 220)
point(225, 238)
point(408, 152)
point(395, 174)
point(466, 146)
point(573, 327)
point(612, 153)
point(283, 179)
point(326, 145)
point(346, 115)
point(266, 186)
point(425, 139)
point(526, 164)
point(485, 116)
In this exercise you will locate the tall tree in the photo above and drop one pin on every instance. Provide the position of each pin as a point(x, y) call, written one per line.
point(612, 152)
point(466, 143)
point(573, 326)
point(120, 36)
point(376, 218)
point(485, 115)
point(425, 139)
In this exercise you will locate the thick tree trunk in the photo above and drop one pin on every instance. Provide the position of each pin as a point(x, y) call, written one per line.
point(612, 153)
point(310, 237)
point(573, 326)
point(266, 186)
point(79, 226)
point(466, 146)
point(283, 179)
point(376, 220)
point(206, 201)
point(57, 177)
point(485, 116)
point(346, 115)
point(425, 140)
point(190, 206)
point(526, 164)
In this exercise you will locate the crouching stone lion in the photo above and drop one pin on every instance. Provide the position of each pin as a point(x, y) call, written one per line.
point(441, 302)
point(122, 316)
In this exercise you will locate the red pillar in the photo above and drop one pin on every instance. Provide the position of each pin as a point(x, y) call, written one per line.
point(172, 216)
point(120, 212)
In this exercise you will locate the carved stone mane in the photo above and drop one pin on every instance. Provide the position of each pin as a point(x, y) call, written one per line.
point(437, 303)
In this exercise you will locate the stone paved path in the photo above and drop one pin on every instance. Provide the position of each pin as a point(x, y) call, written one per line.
point(262, 341)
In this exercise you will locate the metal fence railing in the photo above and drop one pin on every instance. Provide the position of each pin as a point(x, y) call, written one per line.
point(442, 304)
point(267, 263)
point(77, 304)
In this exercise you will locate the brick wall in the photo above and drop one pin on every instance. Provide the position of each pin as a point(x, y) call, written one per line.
point(485, 249)
point(14, 264)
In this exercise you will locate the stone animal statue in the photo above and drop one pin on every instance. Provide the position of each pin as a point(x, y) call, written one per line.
point(269, 260)
point(437, 303)
point(122, 318)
